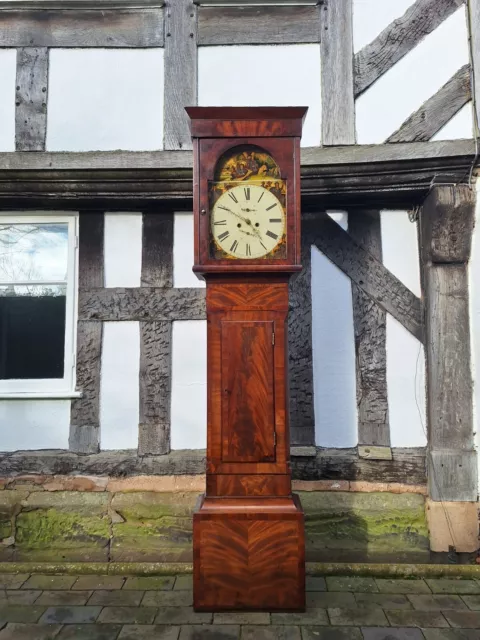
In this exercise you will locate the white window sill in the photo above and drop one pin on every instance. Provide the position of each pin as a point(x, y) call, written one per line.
point(39, 395)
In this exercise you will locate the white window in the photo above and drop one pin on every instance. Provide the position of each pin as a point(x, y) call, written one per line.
point(38, 266)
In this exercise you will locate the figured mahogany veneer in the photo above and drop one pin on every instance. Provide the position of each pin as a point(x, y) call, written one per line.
point(248, 530)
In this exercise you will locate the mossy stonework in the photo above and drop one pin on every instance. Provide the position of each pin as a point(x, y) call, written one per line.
point(156, 526)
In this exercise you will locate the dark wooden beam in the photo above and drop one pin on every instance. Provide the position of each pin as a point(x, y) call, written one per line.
point(258, 25)
point(395, 176)
point(81, 28)
point(338, 106)
point(400, 37)
point(85, 411)
point(370, 330)
point(369, 274)
point(180, 88)
point(31, 99)
point(437, 110)
point(145, 304)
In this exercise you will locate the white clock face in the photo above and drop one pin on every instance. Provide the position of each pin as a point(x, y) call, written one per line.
point(248, 222)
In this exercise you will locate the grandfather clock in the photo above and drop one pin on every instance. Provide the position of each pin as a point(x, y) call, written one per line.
point(248, 529)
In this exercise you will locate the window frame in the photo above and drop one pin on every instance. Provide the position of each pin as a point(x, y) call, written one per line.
point(52, 387)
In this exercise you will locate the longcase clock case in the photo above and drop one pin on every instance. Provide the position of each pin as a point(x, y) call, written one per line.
point(248, 529)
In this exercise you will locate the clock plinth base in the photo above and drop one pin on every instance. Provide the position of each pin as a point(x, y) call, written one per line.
point(249, 554)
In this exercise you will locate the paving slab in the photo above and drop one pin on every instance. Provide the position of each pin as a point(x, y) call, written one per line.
point(12, 580)
point(70, 615)
point(116, 597)
point(357, 617)
point(182, 615)
point(184, 583)
point(208, 632)
point(331, 633)
point(436, 602)
point(351, 583)
point(314, 583)
point(98, 582)
point(128, 615)
point(30, 632)
point(270, 632)
point(472, 602)
point(89, 632)
point(167, 599)
point(17, 596)
point(324, 600)
point(386, 585)
point(19, 613)
point(382, 601)
point(446, 585)
point(463, 619)
point(391, 634)
point(241, 617)
point(451, 634)
point(312, 617)
point(148, 632)
point(63, 598)
point(150, 583)
point(49, 582)
point(416, 619)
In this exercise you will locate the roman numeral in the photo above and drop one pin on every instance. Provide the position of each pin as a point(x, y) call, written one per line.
point(220, 206)
point(224, 235)
point(248, 253)
point(224, 222)
point(271, 207)
point(232, 196)
point(272, 235)
point(247, 193)
point(263, 193)
point(273, 220)
point(234, 246)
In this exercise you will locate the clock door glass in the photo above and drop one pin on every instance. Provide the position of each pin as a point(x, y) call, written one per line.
point(247, 207)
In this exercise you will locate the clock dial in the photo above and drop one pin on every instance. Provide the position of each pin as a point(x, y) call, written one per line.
point(248, 222)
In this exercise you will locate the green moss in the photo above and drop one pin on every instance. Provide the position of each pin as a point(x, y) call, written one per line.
point(143, 506)
point(52, 529)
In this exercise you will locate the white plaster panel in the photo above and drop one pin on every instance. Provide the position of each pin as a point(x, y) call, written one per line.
point(370, 17)
point(34, 424)
point(405, 354)
point(119, 385)
point(406, 387)
point(420, 74)
point(123, 249)
point(8, 64)
point(105, 99)
point(183, 275)
point(189, 385)
point(333, 353)
point(474, 277)
point(266, 75)
point(458, 127)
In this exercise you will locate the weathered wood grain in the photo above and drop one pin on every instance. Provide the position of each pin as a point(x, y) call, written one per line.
point(300, 367)
point(370, 330)
point(85, 411)
point(369, 274)
point(82, 28)
point(155, 387)
point(437, 110)
point(338, 105)
point(257, 25)
point(157, 250)
point(31, 99)
point(473, 14)
point(146, 304)
point(180, 71)
point(447, 220)
point(452, 475)
point(400, 37)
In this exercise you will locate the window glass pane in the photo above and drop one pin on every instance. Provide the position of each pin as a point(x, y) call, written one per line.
point(30, 252)
point(32, 331)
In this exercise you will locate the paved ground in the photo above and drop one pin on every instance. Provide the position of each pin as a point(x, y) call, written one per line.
point(39, 607)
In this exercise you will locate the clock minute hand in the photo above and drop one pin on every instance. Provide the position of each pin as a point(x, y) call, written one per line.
point(235, 214)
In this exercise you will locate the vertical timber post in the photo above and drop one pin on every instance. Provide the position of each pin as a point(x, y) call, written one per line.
point(446, 228)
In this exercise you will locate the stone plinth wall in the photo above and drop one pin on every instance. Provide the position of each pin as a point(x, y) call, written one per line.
point(149, 518)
